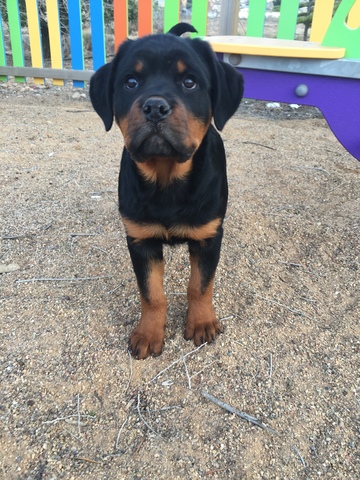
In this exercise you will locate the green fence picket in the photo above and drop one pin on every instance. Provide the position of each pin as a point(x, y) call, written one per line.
point(199, 16)
point(256, 18)
point(171, 14)
point(288, 18)
point(15, 36)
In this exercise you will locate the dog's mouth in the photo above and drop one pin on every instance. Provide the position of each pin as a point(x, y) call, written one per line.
point(151, 142)
point(156, 145)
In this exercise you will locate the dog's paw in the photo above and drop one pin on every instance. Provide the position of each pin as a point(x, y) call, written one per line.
point(143, 343)
point(202, 331)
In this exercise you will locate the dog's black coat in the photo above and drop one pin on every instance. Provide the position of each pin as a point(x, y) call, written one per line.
point(163, 92)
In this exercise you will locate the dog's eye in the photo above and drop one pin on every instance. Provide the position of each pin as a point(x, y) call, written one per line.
point(131, 83)
point(189, 83)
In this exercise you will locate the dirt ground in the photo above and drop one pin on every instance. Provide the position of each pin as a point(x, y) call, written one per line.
point(72, 402)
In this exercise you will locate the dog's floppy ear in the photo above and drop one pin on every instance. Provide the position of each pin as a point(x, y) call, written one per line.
point(227, 85)
point(101, 94)
point(102, 87)
point(227, 92)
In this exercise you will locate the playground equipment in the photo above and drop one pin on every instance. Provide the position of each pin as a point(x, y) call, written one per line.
point(323, 72)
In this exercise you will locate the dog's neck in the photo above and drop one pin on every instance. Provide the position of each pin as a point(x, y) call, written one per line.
point(164, 171)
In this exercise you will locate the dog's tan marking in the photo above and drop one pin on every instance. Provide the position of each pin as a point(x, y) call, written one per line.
point(181, 66)
point(139, 66)
point(147, 338)
point(123, 124)
point(201, 325)
point(143, 231)
point(196, 233)
point(197, 129)
point(130, 122)
point(164, 170)
point(155, 230)
point(191, 129)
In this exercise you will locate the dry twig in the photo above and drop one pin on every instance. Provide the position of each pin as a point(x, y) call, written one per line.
point(82, 234)
point(291, 264)
point(300, 457)
point(289, 309)
point(88, 460)
point(259, 145)
point(305, 167)
point(60, 419)
point(78, 413)
point(187, 373)
point(131, 371)
point(116, 446)
point(74, 279)
point(144, 421)
point(114, 289)
point(229, 317)
point(17, 237)
point(200, 371)
point(217, 470)
point(240, 414)
point(177, 361)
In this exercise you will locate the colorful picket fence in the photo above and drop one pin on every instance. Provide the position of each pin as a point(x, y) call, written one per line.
point(78, 73)
point(325, 30)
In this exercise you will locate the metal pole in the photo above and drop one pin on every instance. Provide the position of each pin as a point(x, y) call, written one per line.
point(229, 17)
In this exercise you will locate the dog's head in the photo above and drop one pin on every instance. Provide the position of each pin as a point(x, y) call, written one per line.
point(163, 92)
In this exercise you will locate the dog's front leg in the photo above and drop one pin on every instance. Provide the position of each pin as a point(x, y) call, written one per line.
point(201, 323)
point(148, 262)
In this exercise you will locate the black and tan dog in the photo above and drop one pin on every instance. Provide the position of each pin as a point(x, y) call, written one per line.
point(163, 92)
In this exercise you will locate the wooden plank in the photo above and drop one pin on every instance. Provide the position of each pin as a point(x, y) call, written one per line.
point(53, 17)
point(199, 16)
point(171, 14)
point(63, 73)
point(97, 33)
point(15, 36)
point(273, 47)
point(34, 36)
point(76, 38)
point(120, 21)
point(3, 78)
point(256, 18)
point(287, 20)
point(145, 17)
point(322, 15)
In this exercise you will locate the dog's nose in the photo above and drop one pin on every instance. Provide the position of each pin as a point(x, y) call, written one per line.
point(156, 109)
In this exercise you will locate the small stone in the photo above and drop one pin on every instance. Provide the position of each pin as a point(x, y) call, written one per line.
point(11, 267)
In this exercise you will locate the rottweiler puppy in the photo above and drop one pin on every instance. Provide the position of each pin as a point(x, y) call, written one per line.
point(164, 91)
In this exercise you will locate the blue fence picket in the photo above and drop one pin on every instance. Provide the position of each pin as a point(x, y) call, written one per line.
point(76, 38)
point(97, 33)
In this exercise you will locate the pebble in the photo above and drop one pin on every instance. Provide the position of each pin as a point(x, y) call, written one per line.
point(10, 267)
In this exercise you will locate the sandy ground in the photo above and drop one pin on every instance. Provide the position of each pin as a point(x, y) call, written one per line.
point(72, 402)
